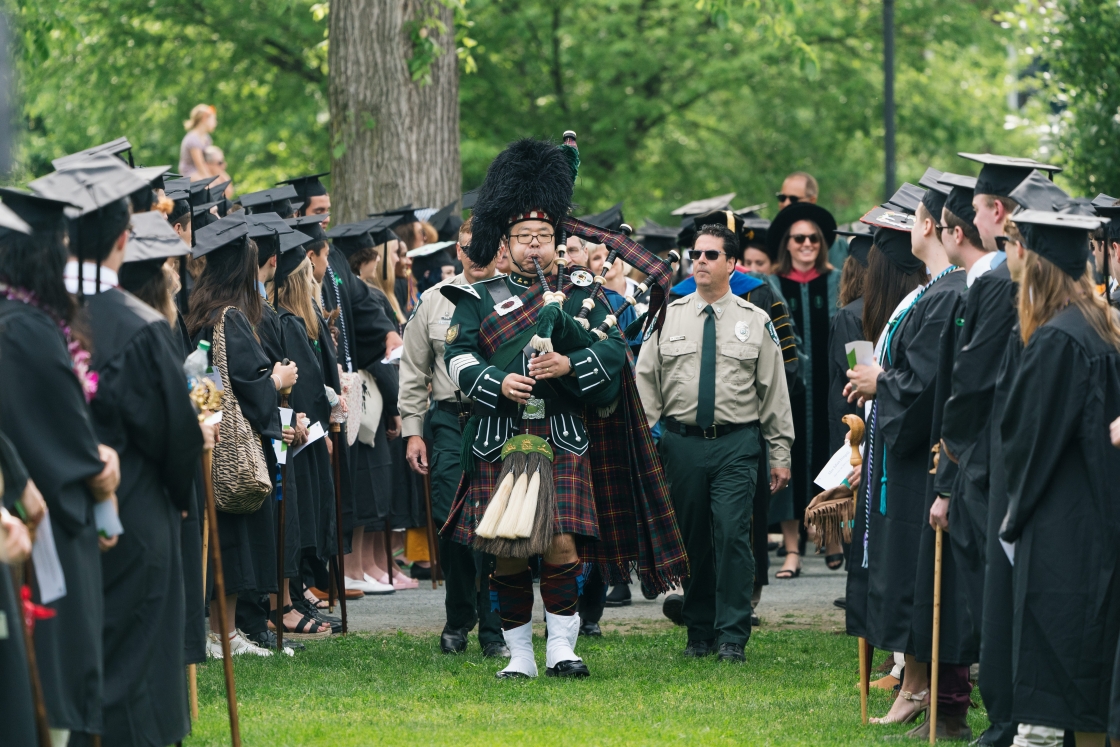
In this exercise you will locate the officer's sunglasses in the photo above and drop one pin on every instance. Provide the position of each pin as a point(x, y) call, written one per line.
point(709, 254)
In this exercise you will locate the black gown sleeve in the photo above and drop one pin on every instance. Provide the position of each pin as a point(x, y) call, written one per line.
point(845, 327)
point(1043, 413)
point(143, 403)
point(43, 413)
point(15, 474)
point(371, 325)
point(905, 390)
point(308, 395)
point(250, 375)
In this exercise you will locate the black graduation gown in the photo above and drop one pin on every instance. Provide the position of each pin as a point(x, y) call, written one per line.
point(363, 326)
point(310, 480)
point(995, 633)
point(846, 326)
point(960, 637)
point(904, 421)
point(143, 410)
point(1063, 485)
point(809, 306)
point(44, 413)
point(249, 540)
point(17, 711)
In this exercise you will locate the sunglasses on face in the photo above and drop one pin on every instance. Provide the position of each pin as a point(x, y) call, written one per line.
point(784, 198)
point(801, 238)
point(709, 254)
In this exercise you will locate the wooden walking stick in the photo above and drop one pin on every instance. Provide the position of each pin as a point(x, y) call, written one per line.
point(933, 667)
point(220, 595)
point(433, 546)
point(280, 554)
point(339, 584)
point(21, 578)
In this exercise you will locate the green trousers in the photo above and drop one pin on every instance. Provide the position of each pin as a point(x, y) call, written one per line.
point(712, 486)
point(465, 571)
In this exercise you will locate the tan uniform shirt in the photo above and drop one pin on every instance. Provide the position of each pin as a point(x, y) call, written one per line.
point(750, 372)
point(422, 359)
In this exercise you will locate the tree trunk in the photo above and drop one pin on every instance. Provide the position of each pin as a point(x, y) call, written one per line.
point(393, 140)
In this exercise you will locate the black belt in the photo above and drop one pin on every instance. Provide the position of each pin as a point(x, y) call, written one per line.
point(716, 431)
point(453, 407)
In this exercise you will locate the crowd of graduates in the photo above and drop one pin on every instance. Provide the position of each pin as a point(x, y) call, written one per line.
point(150, 324)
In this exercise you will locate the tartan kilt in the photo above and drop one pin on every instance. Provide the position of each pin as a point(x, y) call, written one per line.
point(575, 502)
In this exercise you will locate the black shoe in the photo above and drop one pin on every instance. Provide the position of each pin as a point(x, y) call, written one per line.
point(673, 608)
point(699, 649)
point(755, 621)
point(781, 551)
point(420, 573)
point(648, 593)
point(575, 669)
point(772, 546)
point(492, 650)
point(316, 614)
point(590, 629)
point(267, 639)
point(731, 652)
point(453, 640)
point(619, 596)
point(841, 602)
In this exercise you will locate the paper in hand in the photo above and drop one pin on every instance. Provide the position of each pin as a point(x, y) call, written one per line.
point(48, 568)
point(106, 519)
point(1008, 550)
point(837, 470)
point(278, 445)
point(314, 433)
point(860, 353)
point(394, 356)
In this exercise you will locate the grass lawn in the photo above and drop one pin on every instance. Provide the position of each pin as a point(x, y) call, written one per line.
point(797, 687)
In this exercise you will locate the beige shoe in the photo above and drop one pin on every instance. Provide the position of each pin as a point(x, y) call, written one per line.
point(918, 703)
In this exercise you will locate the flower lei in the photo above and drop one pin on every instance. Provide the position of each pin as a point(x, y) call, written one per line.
point(79, 356)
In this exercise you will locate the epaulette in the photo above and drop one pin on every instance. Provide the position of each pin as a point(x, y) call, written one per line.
point(456, 293)
point(744, 303)
point(679, 301)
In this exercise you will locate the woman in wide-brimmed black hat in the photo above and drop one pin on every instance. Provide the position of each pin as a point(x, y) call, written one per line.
point(799, 238)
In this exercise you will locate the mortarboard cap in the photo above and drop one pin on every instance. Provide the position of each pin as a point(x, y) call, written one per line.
point(111, 148)
point(290, 258)
point(150, 237)
point(155, 176)
point(25, 212)
point(657, 238)
point(1002, 174)
point(353, 237)
point(751, 211)
point(700, 207)
point(230, 231)
point(429, 249)
point(312, 225)
point(860, 237)
point(470, 199)
point(200, 190)
point(217, 191)
point(906, 198)
point(404, 214)
point(1037, 192)
point(892, 237)
point(611, 219)
point(1062, 238)
point(275, 200)
point(959, 200)
point(308, 186)
point(447, 222)
point(90, 184)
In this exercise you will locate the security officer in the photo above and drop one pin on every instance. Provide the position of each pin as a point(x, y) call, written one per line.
point(714, 376)
point(467, 599)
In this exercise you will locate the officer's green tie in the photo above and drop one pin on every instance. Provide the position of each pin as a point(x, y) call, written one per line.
point(706, 399)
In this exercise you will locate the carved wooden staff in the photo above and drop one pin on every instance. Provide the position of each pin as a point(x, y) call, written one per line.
point(433, 546)
point(280, 554)
point(21, 578)
point(336, 464)
point(220, 594)
point(933, 667)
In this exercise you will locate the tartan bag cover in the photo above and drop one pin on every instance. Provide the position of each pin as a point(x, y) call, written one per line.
point(637, 525)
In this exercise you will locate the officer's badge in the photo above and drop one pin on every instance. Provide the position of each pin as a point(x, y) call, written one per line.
point(508, 305)
point(742, 330)
point(452, 334)
point(773, 334)
point(581, 278)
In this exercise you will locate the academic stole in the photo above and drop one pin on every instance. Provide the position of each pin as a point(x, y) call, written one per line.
point(885, 354)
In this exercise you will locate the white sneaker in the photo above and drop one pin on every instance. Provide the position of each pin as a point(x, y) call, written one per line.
point(373, 586)
point(519, 641)
point(213, 645)
point(239, 644)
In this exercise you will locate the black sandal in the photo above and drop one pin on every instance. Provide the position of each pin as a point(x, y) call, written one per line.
point(837, 559)
point(306, 629)
point(789, 574)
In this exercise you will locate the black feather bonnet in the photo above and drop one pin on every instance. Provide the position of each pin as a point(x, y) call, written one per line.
point(530, 179)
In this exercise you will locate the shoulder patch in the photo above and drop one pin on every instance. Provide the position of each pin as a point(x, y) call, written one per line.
point(456, 293)
point(773, 334)
point(452, 334)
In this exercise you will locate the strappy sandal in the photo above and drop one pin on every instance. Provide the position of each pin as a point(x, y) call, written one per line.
point(789, 573)
point(834, 562)
point(311, 594)
point(307, 629)
point(922, 699)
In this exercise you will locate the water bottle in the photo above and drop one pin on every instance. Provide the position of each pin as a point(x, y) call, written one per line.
point(197, 364)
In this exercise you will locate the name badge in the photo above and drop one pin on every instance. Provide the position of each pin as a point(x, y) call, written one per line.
point(510, 304)
point(674, 338)
point(742, 331)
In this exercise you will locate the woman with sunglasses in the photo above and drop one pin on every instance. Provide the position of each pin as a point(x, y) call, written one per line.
point(800, 237)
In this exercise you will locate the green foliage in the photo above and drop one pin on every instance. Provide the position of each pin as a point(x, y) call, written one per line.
point(797, 687)
point(673, 102)
point(1077, 79)
point(93, 70)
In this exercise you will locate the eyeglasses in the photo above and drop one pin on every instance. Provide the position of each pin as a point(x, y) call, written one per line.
point(709, 254)
point(1001, 242)
point(527, 238)
point(801, 238)
point(791, 198)
point(939, 228)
